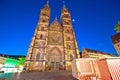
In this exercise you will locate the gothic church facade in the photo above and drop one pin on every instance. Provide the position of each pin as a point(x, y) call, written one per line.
point(53, 46)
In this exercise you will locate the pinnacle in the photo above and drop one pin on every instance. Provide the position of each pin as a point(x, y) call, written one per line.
point(55, 21)
point(64, 6)
point(47, 4)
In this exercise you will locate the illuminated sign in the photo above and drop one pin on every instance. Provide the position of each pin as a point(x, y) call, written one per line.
point(9, 70)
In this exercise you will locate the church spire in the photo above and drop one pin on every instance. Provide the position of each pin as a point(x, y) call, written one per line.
point(47, 4)
point(64, 6)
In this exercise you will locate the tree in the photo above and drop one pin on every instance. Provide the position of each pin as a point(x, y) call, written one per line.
point(22, 61)
point(117, 27)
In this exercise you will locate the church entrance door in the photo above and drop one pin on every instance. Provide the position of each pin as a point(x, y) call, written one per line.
point(55, 59)
point(55, 64)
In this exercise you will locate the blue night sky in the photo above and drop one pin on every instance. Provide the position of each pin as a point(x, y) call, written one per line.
point(94, 23)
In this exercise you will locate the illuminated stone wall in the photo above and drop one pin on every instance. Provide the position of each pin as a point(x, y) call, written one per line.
point(88, 53)
point(53, 46)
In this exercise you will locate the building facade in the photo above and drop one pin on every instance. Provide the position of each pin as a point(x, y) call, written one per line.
point(116, 42)
point(53, 46)
point(89, 53)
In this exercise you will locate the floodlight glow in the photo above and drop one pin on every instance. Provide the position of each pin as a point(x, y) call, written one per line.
point(11, 62)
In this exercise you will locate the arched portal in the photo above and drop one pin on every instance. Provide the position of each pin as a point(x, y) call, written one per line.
point(55, 57)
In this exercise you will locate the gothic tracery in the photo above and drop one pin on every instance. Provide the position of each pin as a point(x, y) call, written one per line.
point(53, 46)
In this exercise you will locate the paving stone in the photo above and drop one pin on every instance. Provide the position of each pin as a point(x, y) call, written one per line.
point(41, 76)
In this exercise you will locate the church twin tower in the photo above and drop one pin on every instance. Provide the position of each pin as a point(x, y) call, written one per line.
point(53, 46)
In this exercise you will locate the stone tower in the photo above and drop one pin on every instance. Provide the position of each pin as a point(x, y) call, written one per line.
point(70, 44)
point(53, 46)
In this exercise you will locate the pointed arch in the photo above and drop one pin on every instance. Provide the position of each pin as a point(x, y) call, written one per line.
point(41, 36)
point(71, 57)
point(38, 56)
point(55, 55)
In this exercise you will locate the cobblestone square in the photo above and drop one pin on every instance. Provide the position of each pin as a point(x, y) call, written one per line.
point(37, 76)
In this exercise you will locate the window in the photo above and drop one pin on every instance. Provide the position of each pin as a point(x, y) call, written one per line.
point(69, 30)
point(71, 57)
point(41, 36)
point(38, 56)
point(43, 21)
point(68, 46)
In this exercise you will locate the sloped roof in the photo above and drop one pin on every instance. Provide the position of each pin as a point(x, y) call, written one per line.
point(55, 22)
point(55, 25)
point(96, 51)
